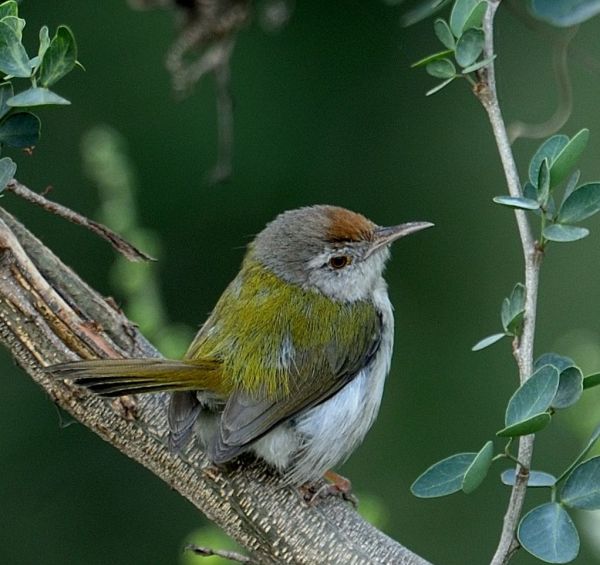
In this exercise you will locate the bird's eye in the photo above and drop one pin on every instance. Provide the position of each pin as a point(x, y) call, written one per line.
point(339, 261)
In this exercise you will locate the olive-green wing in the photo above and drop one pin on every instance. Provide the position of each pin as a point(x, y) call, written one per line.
point(316, 374)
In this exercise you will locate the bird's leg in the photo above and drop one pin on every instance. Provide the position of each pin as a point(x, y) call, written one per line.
point(336, 486)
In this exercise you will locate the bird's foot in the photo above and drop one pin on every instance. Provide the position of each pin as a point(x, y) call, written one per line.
point(336, 486)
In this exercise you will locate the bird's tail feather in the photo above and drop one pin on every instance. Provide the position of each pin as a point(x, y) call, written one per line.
point(116, 377)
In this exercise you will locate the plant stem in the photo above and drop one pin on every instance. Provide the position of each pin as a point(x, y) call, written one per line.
point(487, 94)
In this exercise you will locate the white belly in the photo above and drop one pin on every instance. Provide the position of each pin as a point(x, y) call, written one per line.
point(326, 435)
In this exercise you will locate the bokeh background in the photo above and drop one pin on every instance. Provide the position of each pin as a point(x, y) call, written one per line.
point(327, 110)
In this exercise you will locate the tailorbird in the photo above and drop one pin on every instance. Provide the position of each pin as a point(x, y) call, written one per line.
point(291, 363)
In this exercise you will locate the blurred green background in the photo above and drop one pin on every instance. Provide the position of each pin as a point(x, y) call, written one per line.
point(327, 110)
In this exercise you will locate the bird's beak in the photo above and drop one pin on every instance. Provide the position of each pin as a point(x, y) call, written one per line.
point(386, 236)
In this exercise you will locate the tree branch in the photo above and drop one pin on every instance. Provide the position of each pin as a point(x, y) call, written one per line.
point(486, 91)
point(48, 315)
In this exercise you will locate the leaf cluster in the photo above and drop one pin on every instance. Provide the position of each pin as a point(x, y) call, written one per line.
point(55, 58)
point(463, 40)
point(552, 164)
point(547, 531)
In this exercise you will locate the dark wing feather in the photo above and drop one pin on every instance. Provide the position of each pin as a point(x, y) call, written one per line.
point(245, 419)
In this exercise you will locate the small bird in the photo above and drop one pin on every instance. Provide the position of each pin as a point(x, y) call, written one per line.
point(291, 363)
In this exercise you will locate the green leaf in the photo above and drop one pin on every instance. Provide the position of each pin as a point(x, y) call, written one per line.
point(529, 426)
point(21, 129)
point(36, 97)
point(565, 13)
point(514, 202)
point(513, 309)
point(543, 185)
point(571, 184)
point(60, 57)
point(570, 388)
point(430, 58)
point(475, 18)
point(479, 65)
point(8, 168)
point(563, 233)
point(591, 380)
point(561, 362)
point(533, 396)
point(16, 24)
point(6, 92)
point(536, 479)
point(469, 46)
point(530, 191)
point(444, 34)
point(582, 487)
point(44, 44)
point(581, 204)
point(463, 13)
point(14, 60)
point(439, 87)
point(487, 341)
point(9, 8)
point(564, 162)
point(478, 469)
point(444, 477)
point(549, 533)
point(547, 150)
point(443, 68)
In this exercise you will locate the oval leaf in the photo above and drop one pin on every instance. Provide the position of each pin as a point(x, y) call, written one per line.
point(487, 341)
point(443, 68)
point(439, 87)
point(60, 57)
point(547, 150)
point(36, 97)
point(561, 362)
point(21, 129)
point(478, 469)
point(529, 426)
point(475, 18)
point(430, 58)
point(8, 168)
point(549, 533)
point(533, 396)
point(563, 233)
point(9, 9)
point(564, 162)
point(13, 57)
point(461, 12)
point(570, 388)
point(580, 204)
point(536, 479)
point(512, 202)
point(479, 65)
point(582, 487)
point(443, 33)
point(565, 13)
point(469, 47)
point(444, 477)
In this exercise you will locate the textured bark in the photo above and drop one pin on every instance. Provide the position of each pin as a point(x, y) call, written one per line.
point(49, 315)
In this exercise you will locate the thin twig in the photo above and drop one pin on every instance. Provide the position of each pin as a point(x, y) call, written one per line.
point(487, 94)
point(225, 554)
point(125, 248)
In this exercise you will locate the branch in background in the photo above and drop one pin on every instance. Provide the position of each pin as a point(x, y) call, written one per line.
point(485, 90)
point(48, 315)
point(123, 247)
point(204, 45)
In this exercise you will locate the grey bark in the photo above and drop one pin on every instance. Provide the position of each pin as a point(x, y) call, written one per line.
point(49, 315)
